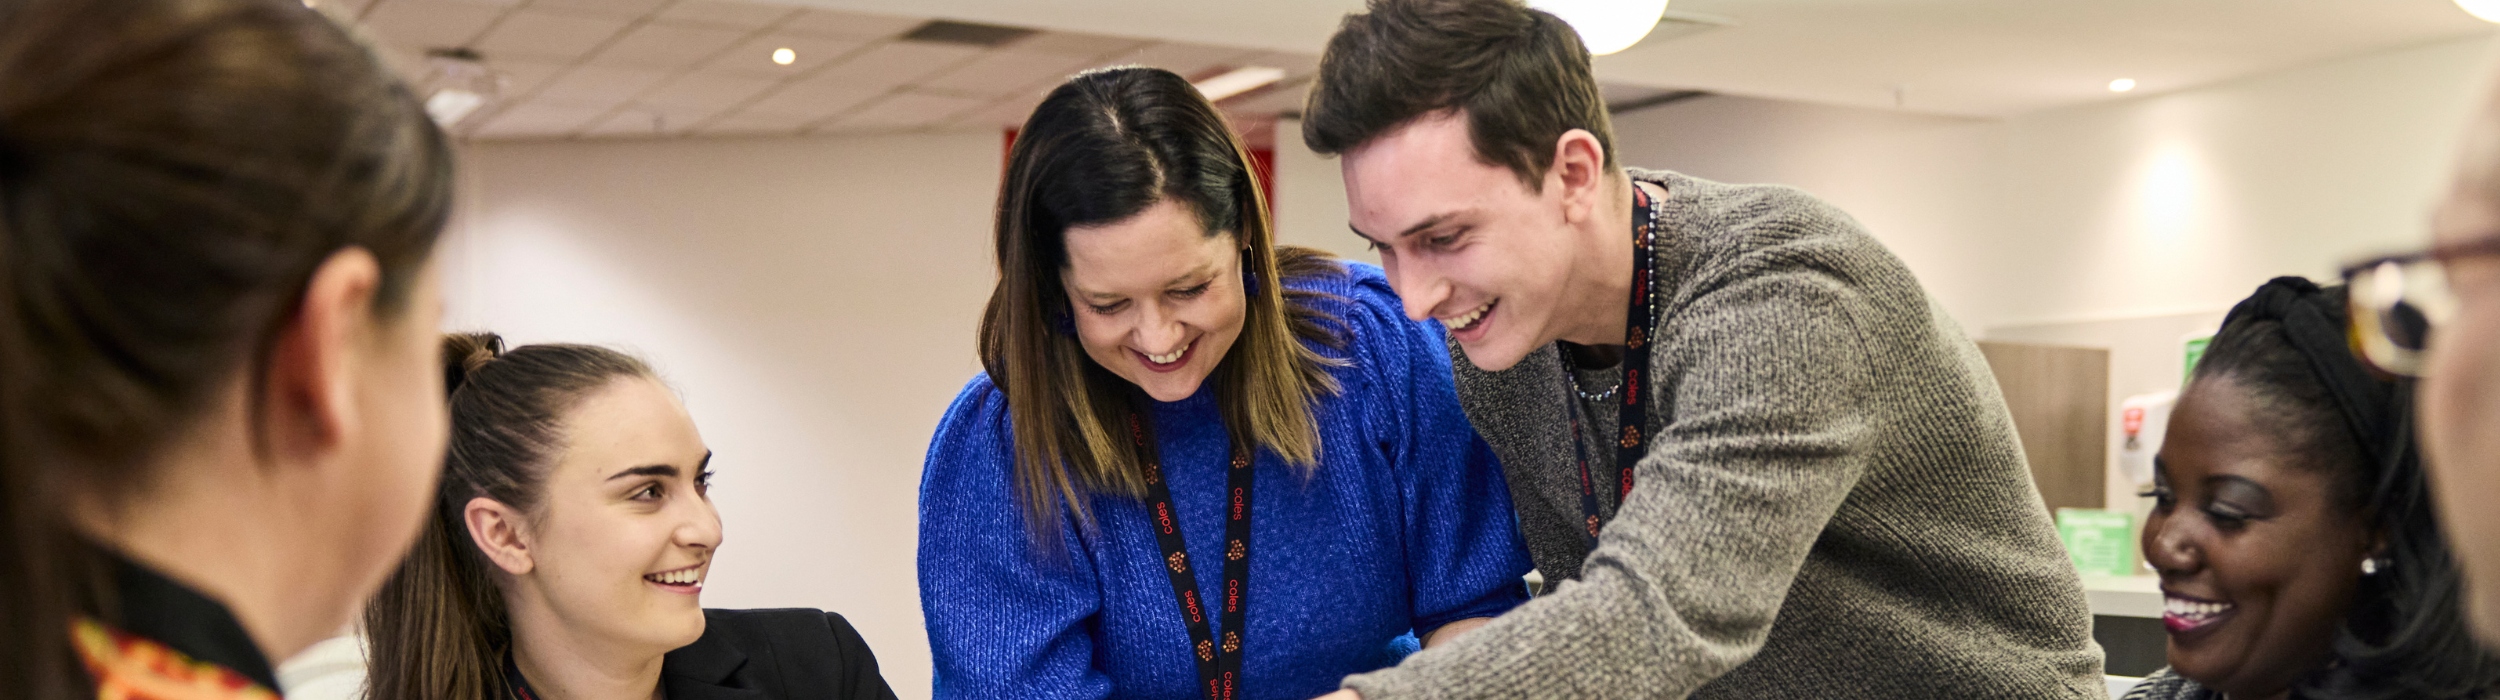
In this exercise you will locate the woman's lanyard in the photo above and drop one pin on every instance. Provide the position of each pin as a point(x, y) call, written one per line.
point(1219, 671)
point(1640, 316)
point(513, 679)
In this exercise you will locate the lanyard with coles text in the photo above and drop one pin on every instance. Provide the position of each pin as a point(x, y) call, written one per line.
point(1219, 670)
point(1640, 316)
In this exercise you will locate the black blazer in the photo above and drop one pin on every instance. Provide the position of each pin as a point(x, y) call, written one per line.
point(784, 654)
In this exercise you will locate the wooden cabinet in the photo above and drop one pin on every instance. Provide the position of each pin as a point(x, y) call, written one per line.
point(2060, 400)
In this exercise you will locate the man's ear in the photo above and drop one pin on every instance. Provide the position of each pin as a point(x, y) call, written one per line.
point(1578, 174)
point(308, 401)
point(500, 532)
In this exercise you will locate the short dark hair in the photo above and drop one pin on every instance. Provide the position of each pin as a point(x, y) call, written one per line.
point(1519, 75)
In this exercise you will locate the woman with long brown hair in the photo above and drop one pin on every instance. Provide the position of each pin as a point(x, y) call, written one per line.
point(572, 533)
point(1198, 464)
point(219, 407)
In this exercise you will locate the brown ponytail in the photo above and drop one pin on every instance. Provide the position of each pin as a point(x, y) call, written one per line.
point(438, 629)
point(171, 173)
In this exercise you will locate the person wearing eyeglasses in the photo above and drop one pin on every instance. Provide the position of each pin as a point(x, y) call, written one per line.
point(2298, 552)
point(2436, 314)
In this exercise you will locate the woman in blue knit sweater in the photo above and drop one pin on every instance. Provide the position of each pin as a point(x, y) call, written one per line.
point(1178, 477)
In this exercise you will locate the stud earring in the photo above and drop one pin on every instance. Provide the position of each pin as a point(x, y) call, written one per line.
point(2370, 566)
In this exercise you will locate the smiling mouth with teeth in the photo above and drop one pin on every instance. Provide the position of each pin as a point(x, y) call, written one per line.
point(2184, 614)
point(689, 576)
point(1170, 357)
point(1468, 320)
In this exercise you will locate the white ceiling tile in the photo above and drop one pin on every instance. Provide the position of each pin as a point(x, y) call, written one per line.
point(623, 9)
point(694, 90)
point(666, 46)
point(631, 122)
point(895, 63)
point(417, 25)
point(521, 77)
point(853, 25)
point(811, 100)
point(1189, 60)
point(409, 64)
point(599, 84)
point(1004, 114)
point(755, 57)
point(906, 110)
point(549, 34)
point(1005, 71)
point(695, 97)
point(752, 124)
point(734, 15)
point(1076, 44)
point(539, 118)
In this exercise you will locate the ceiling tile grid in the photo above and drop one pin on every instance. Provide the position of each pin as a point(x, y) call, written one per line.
point(674, 68)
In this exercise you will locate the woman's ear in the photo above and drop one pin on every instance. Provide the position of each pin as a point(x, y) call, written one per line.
point(500, 532)
point(310, 379)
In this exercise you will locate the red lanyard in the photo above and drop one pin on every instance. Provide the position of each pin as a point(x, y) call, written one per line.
point(1640, 316)
point(1219, 670)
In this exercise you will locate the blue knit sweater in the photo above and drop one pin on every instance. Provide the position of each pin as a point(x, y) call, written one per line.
point(1405, 526)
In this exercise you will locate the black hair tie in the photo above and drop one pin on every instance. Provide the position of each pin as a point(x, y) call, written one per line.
point(2362, 398)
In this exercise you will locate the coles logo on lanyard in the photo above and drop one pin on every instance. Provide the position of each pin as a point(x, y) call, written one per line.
point(1640, 315)
point(1219, 666)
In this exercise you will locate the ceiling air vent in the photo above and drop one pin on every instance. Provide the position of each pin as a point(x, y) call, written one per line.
point(951, 32)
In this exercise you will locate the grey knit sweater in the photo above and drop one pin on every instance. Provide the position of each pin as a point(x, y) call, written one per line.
point(1834, 504)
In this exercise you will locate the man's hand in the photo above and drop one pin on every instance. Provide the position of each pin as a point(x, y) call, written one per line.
point(1453, 630)
point(1340, 695)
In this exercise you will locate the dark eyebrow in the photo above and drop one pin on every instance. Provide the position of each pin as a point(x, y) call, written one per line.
point(645, 470)
point(1428, 222)
point(662, 469)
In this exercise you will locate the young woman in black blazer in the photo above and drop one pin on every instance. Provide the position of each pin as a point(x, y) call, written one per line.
point(568, 548)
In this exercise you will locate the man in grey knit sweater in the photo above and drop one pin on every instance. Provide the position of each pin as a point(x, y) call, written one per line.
point(1823, 497)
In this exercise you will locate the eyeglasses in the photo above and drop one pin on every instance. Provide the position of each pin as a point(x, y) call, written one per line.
point(2399, 301)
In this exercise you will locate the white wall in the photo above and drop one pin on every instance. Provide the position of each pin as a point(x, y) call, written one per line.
point(814, 300)
point(1310, 198)
point(1924, 185)
point(2124, 225)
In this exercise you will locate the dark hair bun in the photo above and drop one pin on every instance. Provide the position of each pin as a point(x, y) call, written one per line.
point(463, 353)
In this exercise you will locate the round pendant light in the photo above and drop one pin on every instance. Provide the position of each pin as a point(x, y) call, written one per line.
point(2485, 10)
point(1608, 26)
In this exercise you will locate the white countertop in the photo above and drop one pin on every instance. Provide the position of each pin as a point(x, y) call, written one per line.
point(2124, 596)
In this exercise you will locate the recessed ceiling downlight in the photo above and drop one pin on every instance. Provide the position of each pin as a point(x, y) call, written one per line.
point(785, 56)
point(1607, 26)
point(2122, 85)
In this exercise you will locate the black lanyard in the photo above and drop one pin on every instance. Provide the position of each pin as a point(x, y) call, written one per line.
point(512, 677)
point(1219, 672)
point(1639, 317)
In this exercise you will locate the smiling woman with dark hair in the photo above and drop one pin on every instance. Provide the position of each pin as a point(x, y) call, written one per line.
point(566, 554)
point(1199, 464)
point(2297, 546)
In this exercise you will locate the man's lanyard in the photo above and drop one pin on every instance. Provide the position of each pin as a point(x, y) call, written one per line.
point(1639, 316)
point(1219, 670)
